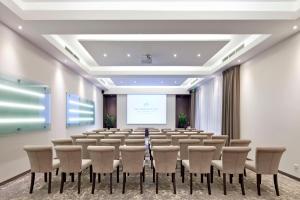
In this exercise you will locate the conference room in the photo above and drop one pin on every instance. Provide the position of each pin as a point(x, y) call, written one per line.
point(151, 99)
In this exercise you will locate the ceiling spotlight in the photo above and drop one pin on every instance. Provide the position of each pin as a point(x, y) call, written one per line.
point(128, 55)
point(295, 27)
point(20, 27)
point(239, 61)
point(134, 81)
point(198, 55)
point(175, 55)
point(104, 55)
point(175, 82)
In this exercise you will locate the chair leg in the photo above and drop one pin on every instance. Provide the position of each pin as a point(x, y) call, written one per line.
point(153, 175)
point(208, 183)
point(211, 174)
point(79, 182)
point(258, 182)
point(241, 178)
point(72, 177)
point(224, 183)
point(49, 182)
point(219, 173)
point(191, 183)
point(62, 182)
point(275, 178)
point(91, 173)
point(230, 178)
point(32, 182)
point(144, 174)
point(181, 166)
point(45, 177)
point(182, 173)
point(99, 178)
point(201, 178)
point(245, 173)
point(110, 182)
point(94, 183)
point(57, 171)
point(124, 181)
point(156, 191)
point(141, 182)
point(118, 171)
point(174, 183)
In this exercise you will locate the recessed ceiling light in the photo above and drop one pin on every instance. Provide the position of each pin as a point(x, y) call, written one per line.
point(175, 55)
point(128, 55)
point(134, 81)
point(20, 27)
point(104, 55)
point(295, 27)
point(198, 55)
point(239, 61)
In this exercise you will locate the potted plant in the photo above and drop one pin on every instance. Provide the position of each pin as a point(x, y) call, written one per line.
point(109, 121)
point(182, 120)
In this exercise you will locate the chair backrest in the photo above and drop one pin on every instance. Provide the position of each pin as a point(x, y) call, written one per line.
point(85, 143)
point(132, 136)
point(40, 157)
point(132, 158)
point(239, 143)
point(62, 141)
point(219, 144)
point(234, 159)
point(165, 158)
point(160, 136)
point(112, 142)
point(69, 157)
point(135, 142)
point(97, 137)
point(200, 158)
point(220, 137)
point(209, 135)
point(184, 144)
point(75, 137)
point(199, 137)
point(114, 129)
point(160, 142)
point(267, 159)
point(102, 158)
point(117, 136)
point(175, 138)
point(125, 133)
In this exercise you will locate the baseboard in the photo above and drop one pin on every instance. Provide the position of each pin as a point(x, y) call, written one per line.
point(14, 178)
point(289, 175)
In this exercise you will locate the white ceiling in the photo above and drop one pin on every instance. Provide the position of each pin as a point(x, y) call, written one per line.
point(164, 28)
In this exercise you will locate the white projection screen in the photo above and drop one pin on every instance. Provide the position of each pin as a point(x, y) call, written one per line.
point(146, 109)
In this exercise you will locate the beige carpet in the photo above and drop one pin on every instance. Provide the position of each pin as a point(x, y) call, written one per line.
point(19, 189)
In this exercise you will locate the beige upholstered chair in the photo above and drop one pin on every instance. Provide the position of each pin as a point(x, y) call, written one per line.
point(239, 143)
point(183, 153)
point(267, 161)
point(75, 137)
point(114, 129)
point(133, 136)
point(157, 137)
point(169, 134)
point(135, 142)
point(62, 141)
point(175, 139)
point(125, 133)
point(103, 162)
point(98, 137)
point(233, 162)
point(41, 161)
point(209, 135)
point(165, 158)
point(219, 144)
point(100, 130)
point(112, 142)
point(71, 162)
point(199, 137)
point(85, 143)
point(133, 162)
point(158, 142)
point(199, 161)
point(117, 136)
point(220, 137)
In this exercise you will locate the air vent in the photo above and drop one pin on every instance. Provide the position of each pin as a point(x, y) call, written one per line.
point(147, 59)
point(234, 52)
point(71, 52)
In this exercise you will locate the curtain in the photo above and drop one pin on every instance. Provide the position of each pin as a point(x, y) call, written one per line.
point(193, 109)
point(231, 103)
point(208, 115)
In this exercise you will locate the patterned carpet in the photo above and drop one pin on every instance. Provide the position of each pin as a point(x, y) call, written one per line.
point(19, 189)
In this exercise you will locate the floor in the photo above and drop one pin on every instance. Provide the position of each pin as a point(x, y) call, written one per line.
point(19, 189)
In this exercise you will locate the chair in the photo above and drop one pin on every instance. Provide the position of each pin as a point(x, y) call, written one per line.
point(219, 144)
point(71, 162)
point(133, 162)
point(220, 137)
point(132, 136)
point(157, 142)
point(239, 143)
point(165, 158)
point(114, 129)
point(157, 137)
point(116, 136)
point(175, 139)
point(233, 162)
point(112, 142)
point(209, 135)
point(85, 143)
point(97, 137)
point(135, 142)
point(62, 141)
point(199, 137)
point(103, 162)
point(183, 153)
point(41, 161)
point(199, 161)
point(75, 137)
point(267, 161)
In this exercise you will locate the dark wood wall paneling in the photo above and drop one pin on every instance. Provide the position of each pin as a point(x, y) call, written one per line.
point(183, 104)
point(109, 106)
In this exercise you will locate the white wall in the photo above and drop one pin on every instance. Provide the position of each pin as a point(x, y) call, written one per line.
point(20, 59)
point(122, 113)
point(270, 100)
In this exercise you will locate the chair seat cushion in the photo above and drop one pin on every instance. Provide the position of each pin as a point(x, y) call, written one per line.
point(250, 165)
point(55, 163)
point(186, 164)
point(85, 163)
point(217, 164)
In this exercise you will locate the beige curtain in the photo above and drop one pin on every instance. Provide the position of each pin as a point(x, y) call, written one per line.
point(193, 108)
point(231, 103)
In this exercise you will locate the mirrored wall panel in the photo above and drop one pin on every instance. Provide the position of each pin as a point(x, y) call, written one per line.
point(80, 111)
point(24, 106)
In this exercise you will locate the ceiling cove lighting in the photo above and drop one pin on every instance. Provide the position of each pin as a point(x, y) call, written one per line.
point(81, 119)
point(21, 120)
point(81, 104)
point(21, 106)
point(22, 91)
point(81, 111)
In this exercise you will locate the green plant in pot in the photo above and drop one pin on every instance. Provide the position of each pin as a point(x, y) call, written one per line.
point(109, 121)
point(182, 120)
